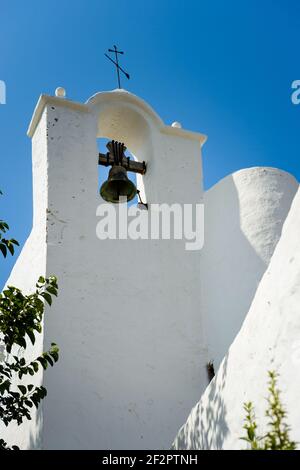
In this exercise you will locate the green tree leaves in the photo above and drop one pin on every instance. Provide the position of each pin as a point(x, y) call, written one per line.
point(5, 244)
point(277, 436)
point(21, 315)
point(21, 319)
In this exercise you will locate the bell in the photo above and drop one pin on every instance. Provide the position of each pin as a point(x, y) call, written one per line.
point(117, 185)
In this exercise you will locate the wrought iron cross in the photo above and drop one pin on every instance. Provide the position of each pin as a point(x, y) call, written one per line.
point(116, 52)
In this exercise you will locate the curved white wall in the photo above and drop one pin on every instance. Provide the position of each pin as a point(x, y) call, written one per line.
point(244, 214)
point(268, 340)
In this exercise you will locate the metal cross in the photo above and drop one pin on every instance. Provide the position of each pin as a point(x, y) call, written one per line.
point(116, 52)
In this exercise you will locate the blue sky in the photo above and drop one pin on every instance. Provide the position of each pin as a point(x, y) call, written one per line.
point(220, 67)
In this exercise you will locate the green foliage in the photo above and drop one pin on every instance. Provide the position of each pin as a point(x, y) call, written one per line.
point(21, 315)
point(250, 426)
point(20, 320)
point(277, 436)
point(3, 446)
point(5, 244)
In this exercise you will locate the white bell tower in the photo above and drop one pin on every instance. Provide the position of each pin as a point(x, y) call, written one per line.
point(127, 318)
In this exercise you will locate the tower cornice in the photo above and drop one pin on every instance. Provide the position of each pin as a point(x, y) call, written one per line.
point(44, 100)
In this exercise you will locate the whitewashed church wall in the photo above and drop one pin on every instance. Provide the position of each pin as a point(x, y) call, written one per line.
point(136, 320)
point(132, 360)
point(29, 266)
point(244, 214)
point(268, 340)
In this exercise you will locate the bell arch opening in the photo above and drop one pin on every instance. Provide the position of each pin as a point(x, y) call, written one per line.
point(125, 118)
point(135, 178)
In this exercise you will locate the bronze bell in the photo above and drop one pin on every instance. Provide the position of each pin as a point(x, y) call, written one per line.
point(117, 185)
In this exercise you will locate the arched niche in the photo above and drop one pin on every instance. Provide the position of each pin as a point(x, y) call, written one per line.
point(169, 151)
point(126, 118)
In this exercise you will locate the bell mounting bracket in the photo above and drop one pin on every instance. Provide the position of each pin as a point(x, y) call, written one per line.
point(116, 156)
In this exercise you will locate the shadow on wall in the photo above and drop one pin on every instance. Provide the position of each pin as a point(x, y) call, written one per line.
point(209, 428)
point(244, 215)
point(267, 340)
point(35, 438)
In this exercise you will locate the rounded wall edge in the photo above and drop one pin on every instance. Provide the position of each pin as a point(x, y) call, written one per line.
point(124, 100)
point(260, 198)
point(123, 96)
point(253, 173)
point(268, 340)
point(244, 215)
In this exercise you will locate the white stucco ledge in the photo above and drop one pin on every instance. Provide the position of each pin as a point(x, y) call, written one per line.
point(55, 101)
point(120, 96)
point(111, 98)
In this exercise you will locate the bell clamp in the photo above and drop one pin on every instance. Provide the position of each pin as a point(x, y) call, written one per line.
point(116, 156)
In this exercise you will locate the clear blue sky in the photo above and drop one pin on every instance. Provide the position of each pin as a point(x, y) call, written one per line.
point(220, 67)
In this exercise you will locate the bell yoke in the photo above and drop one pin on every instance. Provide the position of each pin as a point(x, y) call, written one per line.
point(118, 185)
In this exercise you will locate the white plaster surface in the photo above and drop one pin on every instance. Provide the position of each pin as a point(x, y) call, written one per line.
point(244, 214)
point(268, 340)
point(136, 321)
point(31, 264)
point(132, 360)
